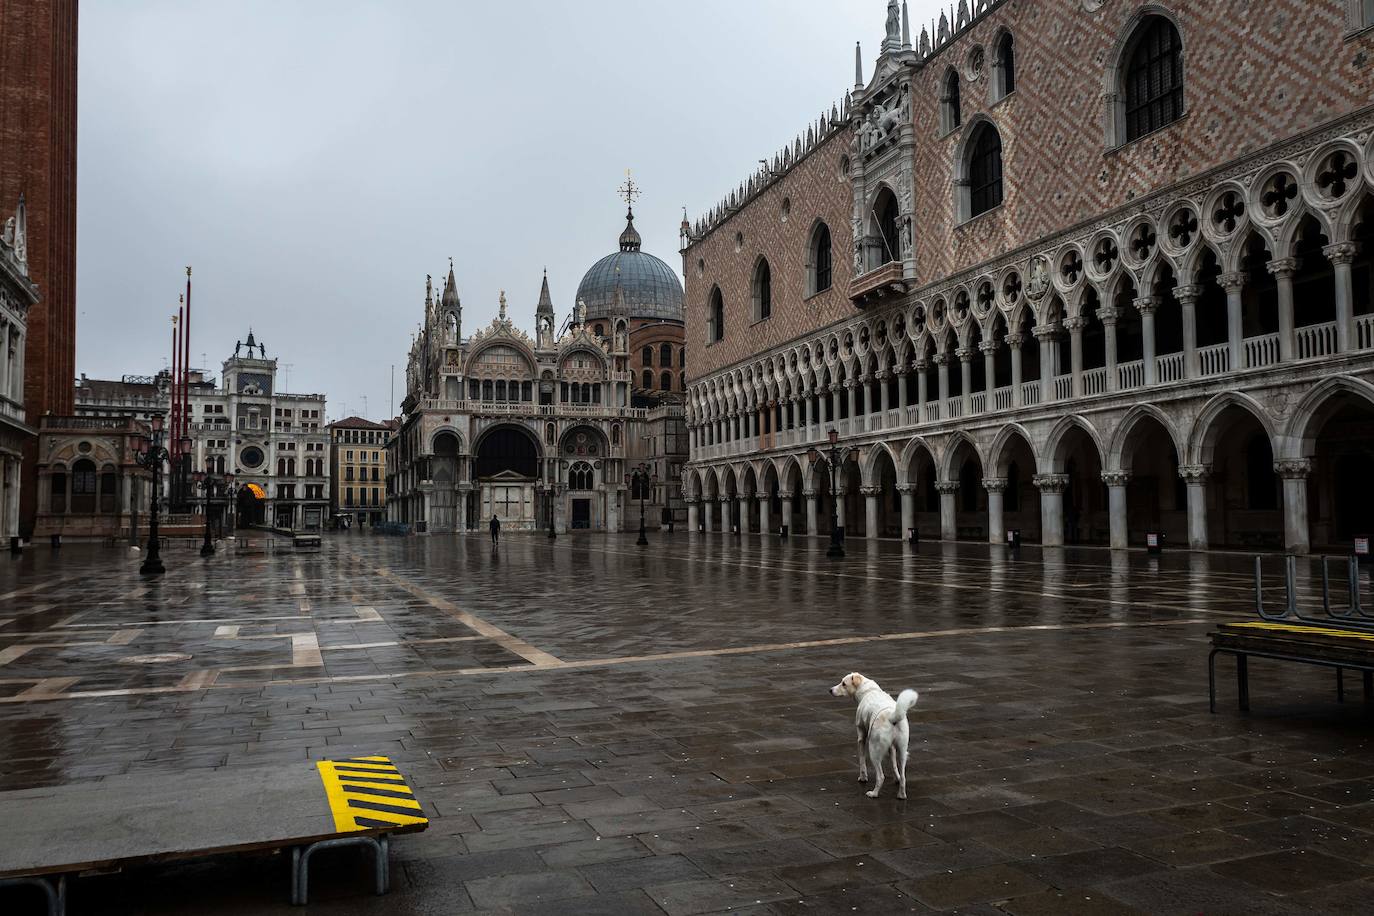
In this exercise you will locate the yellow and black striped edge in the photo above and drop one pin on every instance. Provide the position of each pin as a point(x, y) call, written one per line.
point(1300, 628)
point(366, 793)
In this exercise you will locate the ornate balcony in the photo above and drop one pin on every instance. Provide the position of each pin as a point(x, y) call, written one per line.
point(886, 282)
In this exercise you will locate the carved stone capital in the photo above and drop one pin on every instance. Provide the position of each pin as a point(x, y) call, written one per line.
point(1146, 304)
point(1016, 340)
point(871, 491)
point(922, 365)
point(1196, 474)
point(906, 489)
point(726, 500)
point(691, 500)
point(940, 359)
point(849, 384)
point(965, 354)
point(988, 346)
point(1108, 315)
point(810, 494)
point(994, 484)
point(1232, 282)
point(1051, 483)
point(1341, 252)
point(946, 487)
point(901, 371)
point(1284, 268)
point(1075, 325)
point(1189, 295)
point(1048, 332)
point(1116, 478)
point(1293, 468)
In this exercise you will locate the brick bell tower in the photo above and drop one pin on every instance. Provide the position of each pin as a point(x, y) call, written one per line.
point(38, 161)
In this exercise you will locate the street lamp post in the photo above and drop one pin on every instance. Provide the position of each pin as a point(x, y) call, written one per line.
point(556, 467)
point(211, 486)
point(838, 458)
point(151, 454)
point(642, 477)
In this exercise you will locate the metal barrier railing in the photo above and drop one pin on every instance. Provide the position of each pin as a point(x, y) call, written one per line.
point(1351, 617)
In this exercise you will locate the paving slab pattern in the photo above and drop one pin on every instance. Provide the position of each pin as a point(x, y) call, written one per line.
point(596, 727)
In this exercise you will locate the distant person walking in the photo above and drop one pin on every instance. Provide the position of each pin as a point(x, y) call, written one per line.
point(495, 527)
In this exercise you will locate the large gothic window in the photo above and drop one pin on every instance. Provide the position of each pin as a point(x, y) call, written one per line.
point(1153, 81)
point(985, 170)
point(886, 212)
point(820, 259)
point(1005, 78)
point(646, 357)
point(580, 476)
point(715, 320)
point(665, 356)
point(763, 291)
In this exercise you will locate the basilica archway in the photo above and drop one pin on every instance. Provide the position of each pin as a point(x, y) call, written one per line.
point(505, 472)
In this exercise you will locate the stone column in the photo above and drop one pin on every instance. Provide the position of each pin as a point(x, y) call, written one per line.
point(1234, 284)
point(997, 528)
point(902, 399)
point(1046, 335)
point(1147, 305)
point(823, 409)
point(871, 495)
point(1294, 473)
point(763, 514)
point(942, 361)
point(1195, 476)
point(810, 497)
point(989, 348)
point(805, 403)
point(1075, 328)
point(875, 394)
point(922, 390)
point(965, 355)
point(1341, 257)
point(1015, 341)
point(693, 513)
point(949, 521)
point(834, 403)
point(1116, 482)
point(853, 398)
point(1108, 315)
point(1187, 297)
point(707, 511)
point(1052, 487)
point(787, 511)
point(908, 493)
point(885, 393)
point(1283, 271)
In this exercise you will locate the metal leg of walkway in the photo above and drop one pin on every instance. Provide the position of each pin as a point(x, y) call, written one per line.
point(300, 863)
point(55, 889)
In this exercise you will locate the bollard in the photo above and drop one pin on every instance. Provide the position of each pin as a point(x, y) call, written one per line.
point(1154, 542)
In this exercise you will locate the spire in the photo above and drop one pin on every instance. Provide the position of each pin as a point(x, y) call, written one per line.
point(429, 292)
point(906, 28)
point(858, 66)
point(545, 306)
point(450, 297)
point(629, 192)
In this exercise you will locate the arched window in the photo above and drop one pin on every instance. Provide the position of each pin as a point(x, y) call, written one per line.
point(665, 381)
point(985, 170)
point(580, 476)
point(599, 330)
point(646, 357)
point(648, 382)
point(886, 212)
point(950, 115)
point(763, 291)
point(281, 467)
point(1004, 74)
point(1153, 79)
point(715, 320)
point(820, 261)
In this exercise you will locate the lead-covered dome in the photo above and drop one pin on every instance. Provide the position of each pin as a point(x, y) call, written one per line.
point(648, 286)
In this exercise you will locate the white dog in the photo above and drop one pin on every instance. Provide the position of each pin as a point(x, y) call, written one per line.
point(881, 724)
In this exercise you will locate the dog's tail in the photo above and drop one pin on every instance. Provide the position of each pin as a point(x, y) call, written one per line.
point(905, 700)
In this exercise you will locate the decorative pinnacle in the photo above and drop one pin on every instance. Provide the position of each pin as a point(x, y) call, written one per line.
point(629, 191)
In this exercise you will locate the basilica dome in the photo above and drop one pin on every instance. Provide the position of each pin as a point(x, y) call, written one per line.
point(648, 286)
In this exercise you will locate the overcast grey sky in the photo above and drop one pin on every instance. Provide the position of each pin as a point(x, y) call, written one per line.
point(314, 159)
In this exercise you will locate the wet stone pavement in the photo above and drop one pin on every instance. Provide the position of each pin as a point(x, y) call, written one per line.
point(599, 728)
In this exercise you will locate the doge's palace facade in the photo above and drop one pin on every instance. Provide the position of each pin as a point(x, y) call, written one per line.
point(1083, 268)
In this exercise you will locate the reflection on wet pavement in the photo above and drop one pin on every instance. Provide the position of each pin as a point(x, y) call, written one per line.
point(601, 727)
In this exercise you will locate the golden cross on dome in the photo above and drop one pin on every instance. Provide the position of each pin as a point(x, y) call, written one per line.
point(629, 191)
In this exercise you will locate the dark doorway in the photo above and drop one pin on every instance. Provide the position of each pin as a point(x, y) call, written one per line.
point(250, 508)
point(507, 449)
point(581, 514)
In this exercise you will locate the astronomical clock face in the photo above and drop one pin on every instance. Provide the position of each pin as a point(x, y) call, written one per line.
point(254, 383)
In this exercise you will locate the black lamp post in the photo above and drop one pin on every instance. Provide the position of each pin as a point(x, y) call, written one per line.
point(150, 456)
point(838, 458)
point(211, 486)
point(643, 477)
point(553, 495)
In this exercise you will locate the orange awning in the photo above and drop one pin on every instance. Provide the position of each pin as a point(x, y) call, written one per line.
point(257, 491)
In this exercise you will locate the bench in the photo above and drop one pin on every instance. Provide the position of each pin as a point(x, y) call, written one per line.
point(1340, 638)
point(122, 821)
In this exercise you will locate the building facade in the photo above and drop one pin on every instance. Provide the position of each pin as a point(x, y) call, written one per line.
point(546, 430)
point(38, 163)
point(274, 442)
point(358, 471)
point(1107, 274)
point(17, 297)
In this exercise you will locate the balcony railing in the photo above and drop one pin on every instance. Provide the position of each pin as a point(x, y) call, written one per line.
point(11, 410)
point(1095, 381)
point(1169, 368)
point(912, 414)
point(933, 412)
point(954, 408)
point(1130, 375)
point(530, 409)
point(894, 418)
point(1063, 387)
point(1364, 332)
point(1002, 398)
point(1030, 393)
point(1316, 340)
point(1215, 360)
point(1261, 351)
point(979, 403)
